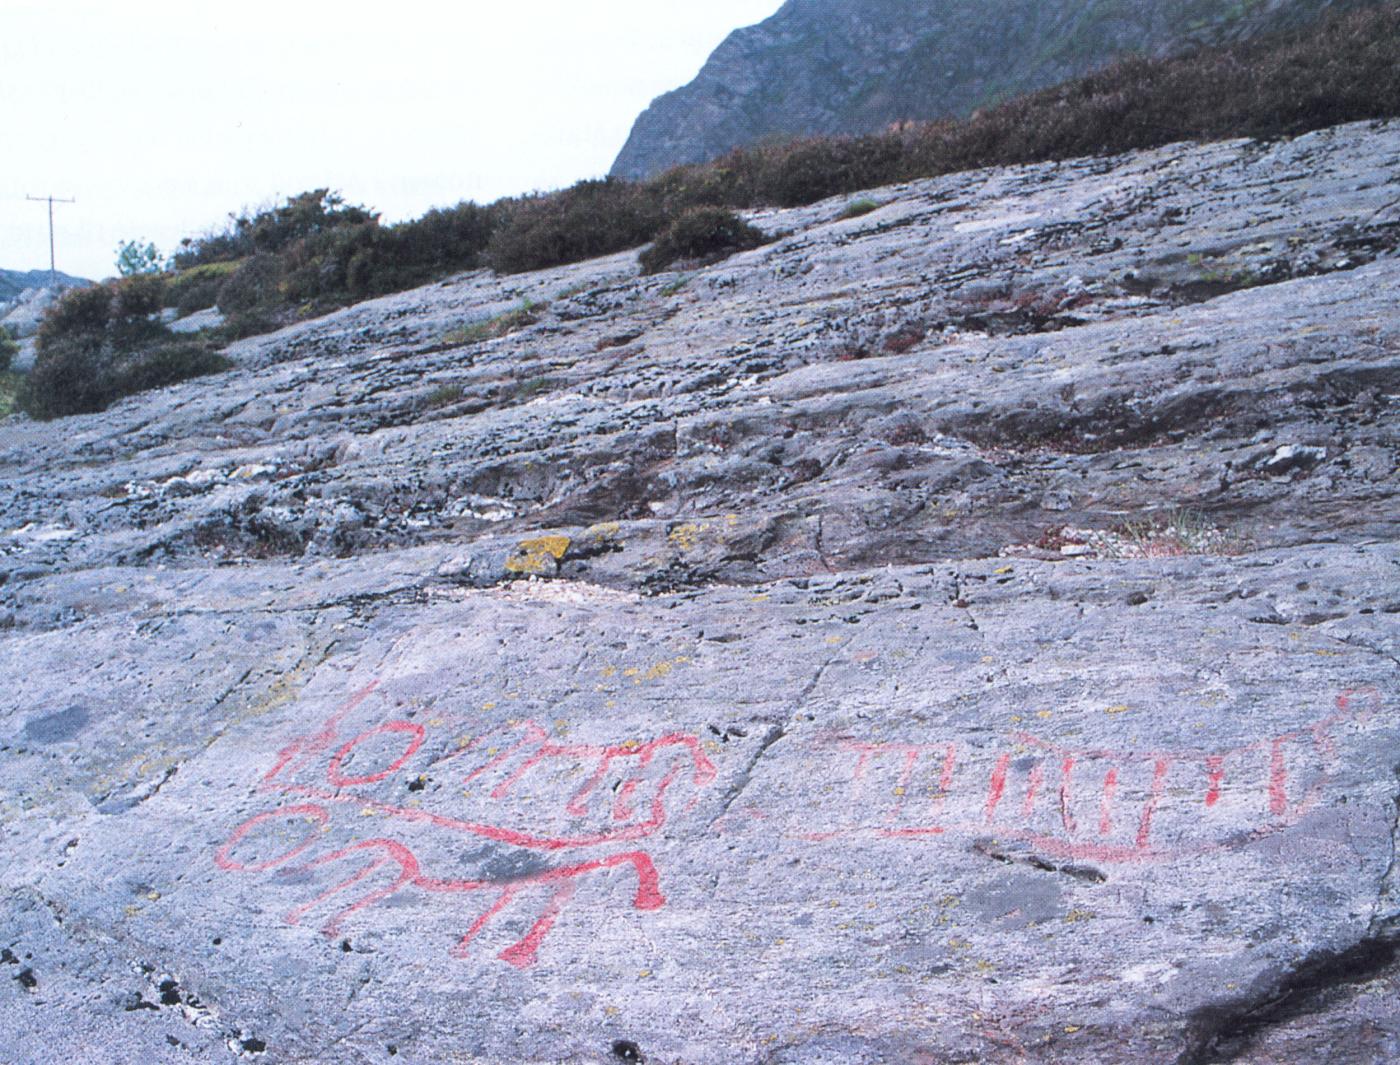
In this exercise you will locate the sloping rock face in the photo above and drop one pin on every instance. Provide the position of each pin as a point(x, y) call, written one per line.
point(965, 632)
point(856, 66)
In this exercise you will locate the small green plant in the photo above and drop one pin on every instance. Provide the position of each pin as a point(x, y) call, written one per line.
point(858, 208)
point(1179, 531)
point(677, 285)
point(534, 386)
point(444, 396)
point(573, 290)
point(528, 313)
point(706, 234)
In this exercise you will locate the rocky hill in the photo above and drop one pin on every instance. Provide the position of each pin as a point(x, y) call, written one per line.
point(13, 283)
point(856, 66)
point(962, 632)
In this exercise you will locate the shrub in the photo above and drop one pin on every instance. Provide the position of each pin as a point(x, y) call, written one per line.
point(527, 314)
point(99, 344)
point(167, 364)
point(315, 269)
point(859, 208)
point(138, 296)
point(590, 219)
point(81, 311)
point(270, 229)
point(197, 288)
point(701, 233)
point(8, 349)
point(805, 171)
point(445, 239)
point(250, 296)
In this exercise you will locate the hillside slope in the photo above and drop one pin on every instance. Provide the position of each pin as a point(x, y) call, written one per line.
point(856, 66)
point(963, 632)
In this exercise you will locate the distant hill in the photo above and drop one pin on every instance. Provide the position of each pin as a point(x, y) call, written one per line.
point(856, 66)
point(13, 282)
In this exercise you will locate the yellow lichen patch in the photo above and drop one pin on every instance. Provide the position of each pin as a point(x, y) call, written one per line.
point(686, 536)
point(547, 545)
point(604, 530)
point(538, 556)
point(658, 671)
point(1120, 709)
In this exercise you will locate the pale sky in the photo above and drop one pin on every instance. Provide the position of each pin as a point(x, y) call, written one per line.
point(162, 116)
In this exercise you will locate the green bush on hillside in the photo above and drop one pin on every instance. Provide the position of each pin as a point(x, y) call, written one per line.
point(101, 343)
point(197, 288)
point(273, 228)
point(8, 349)
point(707, 234)
point(589, 219)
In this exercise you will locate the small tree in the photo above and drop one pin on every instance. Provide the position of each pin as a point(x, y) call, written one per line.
point(135, 258)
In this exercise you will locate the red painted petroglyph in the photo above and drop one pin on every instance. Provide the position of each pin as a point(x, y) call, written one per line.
point(316, 771)
point(1107, 805)
point(592, 806)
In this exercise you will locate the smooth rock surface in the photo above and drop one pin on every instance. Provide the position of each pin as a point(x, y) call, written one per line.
point(965, 633)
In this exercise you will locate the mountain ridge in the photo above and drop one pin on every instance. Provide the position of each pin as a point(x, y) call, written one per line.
point(13, 283)
point(855, 66)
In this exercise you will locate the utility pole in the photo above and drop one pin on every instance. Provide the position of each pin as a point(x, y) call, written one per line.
point(50, 200)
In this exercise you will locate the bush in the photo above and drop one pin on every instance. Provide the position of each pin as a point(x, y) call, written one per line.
point(99, 344)
point(197, 288)
point(80, 312)
point(444, 240)
point(701, 233)
point(585, 221)
point(253, 287)
point(272, 228)
point(138, 296)
point(8, 349)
